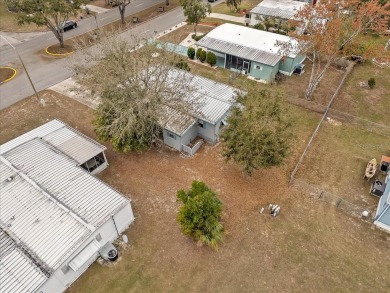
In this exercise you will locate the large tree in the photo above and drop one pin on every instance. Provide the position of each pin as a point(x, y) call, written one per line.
point(195, 10)
point(259, 132)
point(121, 7)
point(138, 91)
point(332, 29)
point(50, 13)
point(200, 215)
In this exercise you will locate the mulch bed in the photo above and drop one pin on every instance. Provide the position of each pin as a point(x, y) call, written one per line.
point(5, 73)
point(56, 49)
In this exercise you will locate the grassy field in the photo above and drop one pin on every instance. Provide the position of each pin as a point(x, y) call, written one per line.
point(310, 247)
point(245, 5)
point(372, 104)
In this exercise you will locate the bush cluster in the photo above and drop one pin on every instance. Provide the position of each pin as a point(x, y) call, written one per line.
point(191, 53)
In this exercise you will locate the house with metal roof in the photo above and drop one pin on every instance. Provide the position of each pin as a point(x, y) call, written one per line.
point(56, 218)
point(279, 9)
point(382, 216)
point(250, 51)
point(210, 103)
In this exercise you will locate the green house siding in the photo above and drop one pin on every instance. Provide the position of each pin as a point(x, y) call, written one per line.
point(220, 58)
point(289, 64)
point(263, 71)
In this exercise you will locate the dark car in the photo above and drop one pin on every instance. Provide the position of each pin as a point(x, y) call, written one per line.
point(212, 0)
point(68, 25)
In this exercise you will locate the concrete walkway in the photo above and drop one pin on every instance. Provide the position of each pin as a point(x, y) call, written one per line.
point(228, 17)
point(96, 9)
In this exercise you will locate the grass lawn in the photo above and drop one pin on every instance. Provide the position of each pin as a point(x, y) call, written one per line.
point(338, 158)
point(310, 247)
point(245, 5)
point(372, 104)
point(217, 21)
point(8, 22)
point(181, 33)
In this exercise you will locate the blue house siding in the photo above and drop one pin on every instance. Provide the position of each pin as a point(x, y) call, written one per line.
point(171, 139)
point(207, 132)
point(220, 58)
point(190, 134)
point(287, 66)
point(264, 72)
point(382, 218)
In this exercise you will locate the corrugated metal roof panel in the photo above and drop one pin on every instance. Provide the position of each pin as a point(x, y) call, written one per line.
point(248, 43)
point(60, 176)
point(65, 138)
point(279, 8)
point(18, 274)
point(47, 231)
point(239, 51)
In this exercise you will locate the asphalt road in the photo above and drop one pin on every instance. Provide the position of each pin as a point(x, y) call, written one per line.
point(46, 71)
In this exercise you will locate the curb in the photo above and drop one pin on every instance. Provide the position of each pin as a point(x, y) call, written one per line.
point(54, 54)
point(13, 75)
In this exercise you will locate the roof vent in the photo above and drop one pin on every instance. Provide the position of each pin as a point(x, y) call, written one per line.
point(10, 178)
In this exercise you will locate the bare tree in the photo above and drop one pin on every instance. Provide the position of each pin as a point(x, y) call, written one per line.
point(122, 7)
point(331, 30)
point(139, 91)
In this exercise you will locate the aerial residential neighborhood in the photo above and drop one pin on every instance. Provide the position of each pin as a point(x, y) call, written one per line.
point(194, 145)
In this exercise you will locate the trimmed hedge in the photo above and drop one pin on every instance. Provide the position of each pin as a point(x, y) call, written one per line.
point(202, 56)
point(197, 38)
point(198, 53)
point(191, 53)
point(211, 58)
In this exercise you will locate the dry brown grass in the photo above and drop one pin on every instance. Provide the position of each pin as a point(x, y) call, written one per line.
point(310, 247)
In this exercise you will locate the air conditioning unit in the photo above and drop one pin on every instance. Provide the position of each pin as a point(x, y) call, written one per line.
point(299, 69)
point(244, 71)
point(108, 252)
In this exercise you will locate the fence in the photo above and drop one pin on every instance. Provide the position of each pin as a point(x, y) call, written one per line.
point(191, 151)
point(318, 193)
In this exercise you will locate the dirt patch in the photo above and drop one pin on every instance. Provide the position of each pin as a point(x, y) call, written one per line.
point(178, 35)
point(262, 252)
point(6, 73)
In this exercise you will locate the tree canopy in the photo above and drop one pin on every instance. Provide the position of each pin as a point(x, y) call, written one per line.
point(136, 90)
point(200, 215)
point(195, 10)
point(234, 3)
point(121, 7)
point(331, 30)
point(258, 132)
point(50, 13)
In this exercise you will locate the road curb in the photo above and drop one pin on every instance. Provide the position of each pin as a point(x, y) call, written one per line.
point(13, 75)
point(54, 54)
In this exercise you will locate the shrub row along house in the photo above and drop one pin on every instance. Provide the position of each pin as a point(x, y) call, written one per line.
point(55, 216)
point(211, 102)
point(251, 51)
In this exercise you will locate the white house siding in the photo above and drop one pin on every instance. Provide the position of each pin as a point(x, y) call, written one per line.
point(59, 281)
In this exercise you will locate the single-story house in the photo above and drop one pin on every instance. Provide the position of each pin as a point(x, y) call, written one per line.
point(282, 9)
point(56, 218)
point(382, 216)
point(251, 51)
point(211, 102)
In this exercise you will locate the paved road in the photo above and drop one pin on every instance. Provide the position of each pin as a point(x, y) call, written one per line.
point(46, 71)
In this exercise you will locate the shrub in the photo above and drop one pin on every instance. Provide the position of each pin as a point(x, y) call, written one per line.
point(197, 38)
point(371, 82)
point(191, 53)
point(182, 65)
point(259, 26)
point(198, 53)
point(211, 58)
point(200, 216)
point(202, 56)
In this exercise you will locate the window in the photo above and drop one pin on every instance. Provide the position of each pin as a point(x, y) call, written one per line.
point(201, 124)
point(171, 135)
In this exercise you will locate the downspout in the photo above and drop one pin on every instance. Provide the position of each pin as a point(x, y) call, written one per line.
point(116, 228)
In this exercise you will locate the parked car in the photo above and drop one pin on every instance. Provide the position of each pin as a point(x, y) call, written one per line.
point(68, 25)
point(212, 1)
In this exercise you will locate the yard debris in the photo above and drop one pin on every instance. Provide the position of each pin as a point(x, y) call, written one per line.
point(333, 121)
point(275, 209)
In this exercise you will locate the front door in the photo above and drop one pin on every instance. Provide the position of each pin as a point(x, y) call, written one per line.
point(245, 66)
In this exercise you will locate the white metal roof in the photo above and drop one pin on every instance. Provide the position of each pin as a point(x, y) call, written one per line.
point(209, 99)
point(65, 138)
point(278, 8)
point(259, 44)
point(48, 207)
point(18, 274)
